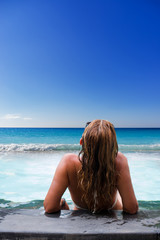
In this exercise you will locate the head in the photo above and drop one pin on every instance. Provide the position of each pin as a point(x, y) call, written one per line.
point(99, 137)
point(99, 150)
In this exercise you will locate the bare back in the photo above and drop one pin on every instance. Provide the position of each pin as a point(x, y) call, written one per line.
point(75, 191)
point(66, 175)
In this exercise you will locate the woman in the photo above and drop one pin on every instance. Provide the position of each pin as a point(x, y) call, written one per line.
point(98, 179)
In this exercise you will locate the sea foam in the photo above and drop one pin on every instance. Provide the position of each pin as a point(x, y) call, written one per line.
point(38, 147)
point(70, 147)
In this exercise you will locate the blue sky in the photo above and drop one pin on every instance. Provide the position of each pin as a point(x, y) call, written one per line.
point(63, 63)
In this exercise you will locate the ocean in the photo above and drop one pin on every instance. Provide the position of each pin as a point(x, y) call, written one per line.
point(29, 157)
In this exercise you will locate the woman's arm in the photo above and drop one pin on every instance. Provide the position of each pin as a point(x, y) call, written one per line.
point(125, 187)
point(53, 201)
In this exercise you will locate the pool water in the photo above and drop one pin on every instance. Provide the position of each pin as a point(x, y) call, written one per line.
point(28, 166)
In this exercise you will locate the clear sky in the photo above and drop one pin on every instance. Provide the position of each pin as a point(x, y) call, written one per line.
point(63, 63)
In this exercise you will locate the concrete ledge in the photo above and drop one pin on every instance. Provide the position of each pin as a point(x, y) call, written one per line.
point(115, 225)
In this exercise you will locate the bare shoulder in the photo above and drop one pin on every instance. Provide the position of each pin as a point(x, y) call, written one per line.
point(70, 160)
point(121, 161)
point(70, 157)
point(72, 165)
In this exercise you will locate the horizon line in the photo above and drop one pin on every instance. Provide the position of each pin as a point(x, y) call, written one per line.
point(84, 127)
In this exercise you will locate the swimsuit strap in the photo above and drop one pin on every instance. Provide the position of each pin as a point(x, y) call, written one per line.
point(114, 202)
point(80, 207)
point(108, 208)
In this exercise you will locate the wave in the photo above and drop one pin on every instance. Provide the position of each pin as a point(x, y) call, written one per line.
point(37, 204)
point(21, 205)
point(70, 147)
point(33, 204)
point(38, 147)
point(139, 147)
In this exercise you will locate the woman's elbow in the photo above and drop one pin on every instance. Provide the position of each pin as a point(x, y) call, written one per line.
point(47, 210)
point(132, 209)
point(50, 209)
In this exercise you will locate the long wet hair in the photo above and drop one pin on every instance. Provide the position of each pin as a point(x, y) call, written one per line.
point(97, 177)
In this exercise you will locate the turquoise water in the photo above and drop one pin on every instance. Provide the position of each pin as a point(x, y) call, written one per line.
point(48, 139)
point(28, 159)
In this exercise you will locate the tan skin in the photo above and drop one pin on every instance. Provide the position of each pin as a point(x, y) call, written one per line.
point(66, 176)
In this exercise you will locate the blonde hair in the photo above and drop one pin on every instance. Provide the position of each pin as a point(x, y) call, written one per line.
point(97, 177)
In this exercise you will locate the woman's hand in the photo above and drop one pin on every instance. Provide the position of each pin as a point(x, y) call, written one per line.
point(63, 204)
